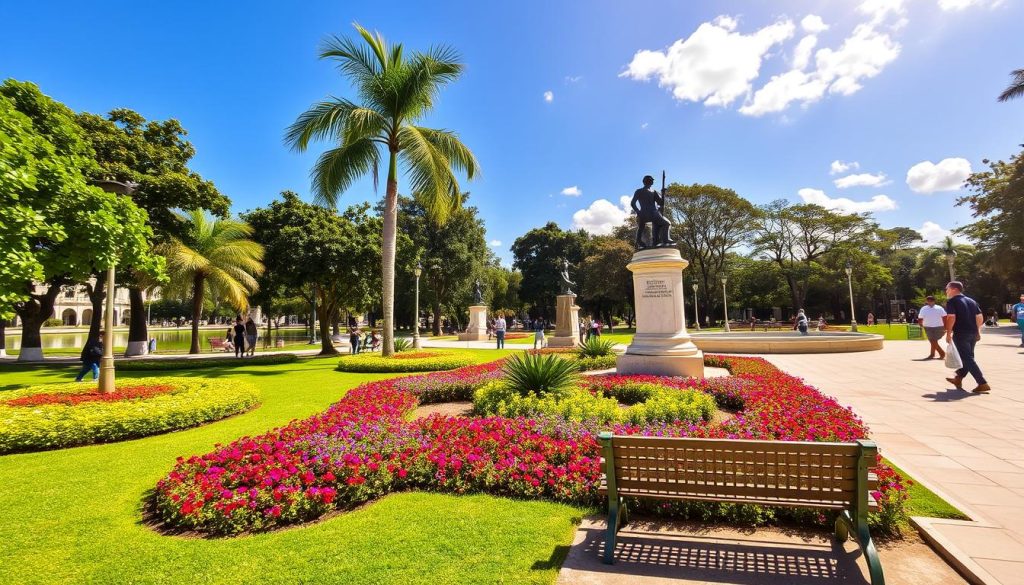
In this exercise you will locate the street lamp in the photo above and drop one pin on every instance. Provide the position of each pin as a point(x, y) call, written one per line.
point(416, 314)
point(849, 283)
point(106, 382)
point(696, 314)
point(725, 302)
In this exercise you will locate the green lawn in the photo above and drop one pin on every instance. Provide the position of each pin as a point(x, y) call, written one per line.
point(74, 515)
point(924, 502)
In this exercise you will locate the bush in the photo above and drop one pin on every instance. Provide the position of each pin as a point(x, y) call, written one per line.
point(539, 374)
point(596, 347)
point(188, 402)
point(54, 322)
point(369, 363)
point(449, 386)
point(166, 364)
point(497, 398)
point(403, 344)
point(594, 363)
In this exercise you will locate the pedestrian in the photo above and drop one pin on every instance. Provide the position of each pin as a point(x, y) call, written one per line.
point(871, 318)
point(583, 330)
point(91, 355)
point(499, 331)
point(252, 333)
point(594, 327)
point(239, 337)
point(802, 323)
point(353, 339)
point(1017, 314)
point(933, 318)
point(538, 334)
point(963, 330)
point(597, 329)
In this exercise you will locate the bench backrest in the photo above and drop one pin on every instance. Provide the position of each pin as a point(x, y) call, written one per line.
point(830, 475)
point(216, 341)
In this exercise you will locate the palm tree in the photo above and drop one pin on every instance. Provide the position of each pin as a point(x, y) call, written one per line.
point(396, 91)
point(213, 252)
point(949, 250)
point(1016, 87)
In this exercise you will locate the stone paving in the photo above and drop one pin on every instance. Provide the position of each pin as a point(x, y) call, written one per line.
point(968, 448)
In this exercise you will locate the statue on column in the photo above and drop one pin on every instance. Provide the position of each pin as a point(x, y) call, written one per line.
point(478, 295)
point(649, 206)
point(566, 282)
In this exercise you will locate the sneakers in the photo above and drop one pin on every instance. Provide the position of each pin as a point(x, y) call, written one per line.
point(982, 389)
point(956, 381)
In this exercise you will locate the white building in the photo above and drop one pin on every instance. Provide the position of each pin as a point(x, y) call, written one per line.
point(74, 309)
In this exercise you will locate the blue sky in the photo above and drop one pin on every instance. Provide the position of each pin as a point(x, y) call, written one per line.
point(759, 97)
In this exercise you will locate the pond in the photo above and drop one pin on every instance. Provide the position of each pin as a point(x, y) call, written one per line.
point(167, 340)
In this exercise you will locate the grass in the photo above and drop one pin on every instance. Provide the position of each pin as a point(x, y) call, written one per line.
point(74, 515)
point(924, 502)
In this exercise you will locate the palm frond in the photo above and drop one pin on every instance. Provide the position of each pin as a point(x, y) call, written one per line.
point(429, 172)
point(457, 153)
point(1016, 87)
point(324, 119)
point(337, 168)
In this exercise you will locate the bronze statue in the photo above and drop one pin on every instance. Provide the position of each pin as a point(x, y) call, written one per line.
point(478, 295)
point(566, 282)
point(649, 206)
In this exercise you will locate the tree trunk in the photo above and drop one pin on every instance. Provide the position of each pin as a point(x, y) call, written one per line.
point(952, 274)
point(3, 336)
point(437, 319)
point(33, 313)
point(326, 315)
point(197, 310)
point(388, 257)
point(138, 330)
point(96, 298)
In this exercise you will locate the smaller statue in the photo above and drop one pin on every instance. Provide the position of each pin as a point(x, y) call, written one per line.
point(566, 282)
point(478, 295)
point(649, 206)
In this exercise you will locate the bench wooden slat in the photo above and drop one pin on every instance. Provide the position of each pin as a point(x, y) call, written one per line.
point(738, 445)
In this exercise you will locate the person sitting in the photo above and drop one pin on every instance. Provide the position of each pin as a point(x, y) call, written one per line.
point(822, 325)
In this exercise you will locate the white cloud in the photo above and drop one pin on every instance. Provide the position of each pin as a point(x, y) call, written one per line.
point(573, 78)
point(862, 55)
point(861, 180)
point(813, 24)
point(880, 10)
point(948, 175)
point(715, 65)
point(958, 5)
point(549, 96)
point(644, 126)
point(839, 166)
point(573, 191)
point(802, 54)
point(934, 233)
point(495, 243)
point(842, 204)
point(602, 217)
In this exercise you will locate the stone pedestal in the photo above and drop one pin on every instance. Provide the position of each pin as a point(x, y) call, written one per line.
point(477, 329)
point(661, 345)
point(567, 323)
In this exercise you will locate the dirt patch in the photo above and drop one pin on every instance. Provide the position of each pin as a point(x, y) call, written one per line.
point(461, 408)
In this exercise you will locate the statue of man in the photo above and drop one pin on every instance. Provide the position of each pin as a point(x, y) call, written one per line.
point(649, 206)
point(566, 282)
point(478, 295)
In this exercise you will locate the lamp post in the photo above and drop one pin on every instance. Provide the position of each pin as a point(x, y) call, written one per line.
point(106, 381)
point(849, 283)
point(696, 314)
point(416, 314)
point(725, 302)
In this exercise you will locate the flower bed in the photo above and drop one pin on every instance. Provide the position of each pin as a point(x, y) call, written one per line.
point(375, 364)
point(165, 364)
point(55, 416)
point(363, 447)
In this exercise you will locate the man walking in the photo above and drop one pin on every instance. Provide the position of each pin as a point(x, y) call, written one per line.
point(1017, 313)
point(499, 332)
point(933, 318)
point(963, 329)
point(91, 354)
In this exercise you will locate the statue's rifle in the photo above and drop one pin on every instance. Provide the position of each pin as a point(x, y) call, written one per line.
point(661, 208)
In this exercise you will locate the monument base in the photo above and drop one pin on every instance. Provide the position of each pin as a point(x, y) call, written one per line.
point(567, 320)
point(570, 341)
point(662, 365)
point(477, 328)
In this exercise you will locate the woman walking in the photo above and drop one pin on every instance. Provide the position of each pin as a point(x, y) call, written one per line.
point(251, 335)
point(239, 337)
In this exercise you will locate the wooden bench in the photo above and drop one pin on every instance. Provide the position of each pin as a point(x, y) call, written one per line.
point(217, 343)
point(824, 476)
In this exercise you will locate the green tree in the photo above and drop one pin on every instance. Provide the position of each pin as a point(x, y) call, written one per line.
point(996, 201)
point(538, 254)
point(63, 228)
point(213, 251)
point(946, 252)
point(396, 91)
point(313, 250)
point(155, 156)
point(1016, 87)
point(607, 284)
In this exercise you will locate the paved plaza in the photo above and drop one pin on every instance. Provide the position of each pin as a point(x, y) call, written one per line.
point(968, 448)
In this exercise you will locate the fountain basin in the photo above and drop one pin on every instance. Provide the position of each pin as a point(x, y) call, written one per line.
point(787, 342)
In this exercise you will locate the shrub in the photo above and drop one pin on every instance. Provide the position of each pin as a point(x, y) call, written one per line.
point(370, 363)
point(403, 344)
point(188, 402)
point(594, 363)
point(596, 347)
point(166, 364)
point(539, 374)
point(449, 386)
point(671, 405)
point(497, 398)
point(53, 322)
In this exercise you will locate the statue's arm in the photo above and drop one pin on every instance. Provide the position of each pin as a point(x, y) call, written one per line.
point(634, 205)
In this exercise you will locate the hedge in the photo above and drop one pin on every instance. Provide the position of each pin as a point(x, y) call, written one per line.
point(189, 402)
point(375, 364)
point(193, 364)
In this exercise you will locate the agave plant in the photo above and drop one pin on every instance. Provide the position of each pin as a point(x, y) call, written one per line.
point(597, 347)
point(402, 344)
point(539, 374)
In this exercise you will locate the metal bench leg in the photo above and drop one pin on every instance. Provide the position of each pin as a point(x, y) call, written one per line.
point(843, 526)
point(613, 528)
point(625, 513)
point(870, 555)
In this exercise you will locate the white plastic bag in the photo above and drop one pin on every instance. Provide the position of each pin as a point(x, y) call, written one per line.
point(953, 360)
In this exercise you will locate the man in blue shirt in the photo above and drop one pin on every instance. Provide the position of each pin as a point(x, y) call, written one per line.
point(963, 329)
point(1017, 314)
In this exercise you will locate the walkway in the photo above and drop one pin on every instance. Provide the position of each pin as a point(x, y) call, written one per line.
point(968, 448)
